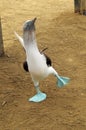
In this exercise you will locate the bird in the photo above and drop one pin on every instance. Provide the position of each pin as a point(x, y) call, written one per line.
point(37, 63)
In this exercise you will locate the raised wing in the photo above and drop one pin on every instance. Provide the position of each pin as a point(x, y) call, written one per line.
point(20, 39)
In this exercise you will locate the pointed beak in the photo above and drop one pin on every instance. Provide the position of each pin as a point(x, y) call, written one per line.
point(33, 21)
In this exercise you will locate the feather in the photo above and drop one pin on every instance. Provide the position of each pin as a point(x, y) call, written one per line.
point(20, 39)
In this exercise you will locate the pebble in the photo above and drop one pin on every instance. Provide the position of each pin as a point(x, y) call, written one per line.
point(3, 103)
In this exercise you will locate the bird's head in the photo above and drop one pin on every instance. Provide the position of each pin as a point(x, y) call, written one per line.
point(29, 25)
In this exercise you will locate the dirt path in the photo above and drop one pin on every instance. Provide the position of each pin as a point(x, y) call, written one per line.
point(64, 33)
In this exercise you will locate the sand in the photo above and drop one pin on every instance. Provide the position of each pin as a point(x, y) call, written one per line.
point(64, 33)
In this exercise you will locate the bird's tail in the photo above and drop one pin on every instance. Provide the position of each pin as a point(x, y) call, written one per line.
point(20, 39)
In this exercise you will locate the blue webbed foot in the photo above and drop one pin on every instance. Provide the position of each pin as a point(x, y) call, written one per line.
point(38, 97)
point(62, 81)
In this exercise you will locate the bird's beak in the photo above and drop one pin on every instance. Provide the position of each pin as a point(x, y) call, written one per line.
point(33, 21)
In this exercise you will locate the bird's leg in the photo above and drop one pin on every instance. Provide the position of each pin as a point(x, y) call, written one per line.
point(61, 80)
point(37, 89)
point(40, 96)
point(36, 85)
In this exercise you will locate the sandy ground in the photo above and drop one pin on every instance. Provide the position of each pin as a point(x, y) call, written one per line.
point(64, 33)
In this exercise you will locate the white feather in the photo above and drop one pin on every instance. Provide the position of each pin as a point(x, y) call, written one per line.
point(20, 39)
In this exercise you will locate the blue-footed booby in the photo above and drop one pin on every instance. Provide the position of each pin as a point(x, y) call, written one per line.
point(37, 63)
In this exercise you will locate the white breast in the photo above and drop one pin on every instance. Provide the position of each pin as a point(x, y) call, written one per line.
point(37, 64)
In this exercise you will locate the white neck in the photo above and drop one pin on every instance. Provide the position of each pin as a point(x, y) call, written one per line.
point(29, 36)
point(30, 41)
